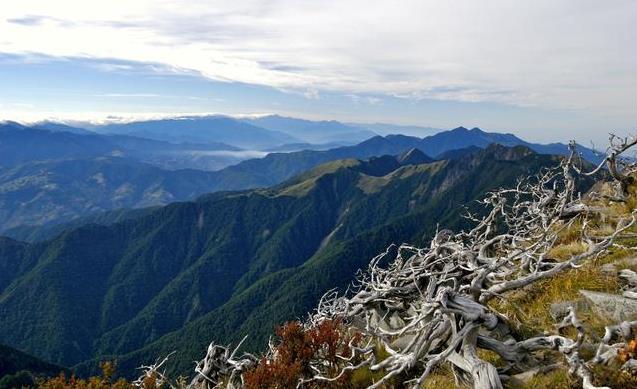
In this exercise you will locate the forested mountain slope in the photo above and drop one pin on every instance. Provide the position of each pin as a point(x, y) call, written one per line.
point(60, 175)
point(48, 192)
point(230, 263)
point(13, 361)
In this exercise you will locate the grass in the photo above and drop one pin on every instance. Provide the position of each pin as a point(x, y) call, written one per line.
point(442, 378)
point(528, 309)
point(556, 379)
point(566, 251)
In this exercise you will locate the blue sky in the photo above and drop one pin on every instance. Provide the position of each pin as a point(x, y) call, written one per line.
point(545, 70)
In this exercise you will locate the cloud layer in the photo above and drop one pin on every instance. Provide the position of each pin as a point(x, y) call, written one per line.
point(560, 54)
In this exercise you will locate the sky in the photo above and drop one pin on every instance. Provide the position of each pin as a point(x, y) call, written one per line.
point(546, 70)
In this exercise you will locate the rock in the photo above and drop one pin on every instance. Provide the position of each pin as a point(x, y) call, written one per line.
point(609, 269)
point(630, 366)
point(612, 306)
point(629, 276)
point(559, 310)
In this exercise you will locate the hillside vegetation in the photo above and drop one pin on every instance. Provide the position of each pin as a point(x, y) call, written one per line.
point(540, 292)
point(51, 174)
point(230, 263)
point(554, 317)
point(18, 369)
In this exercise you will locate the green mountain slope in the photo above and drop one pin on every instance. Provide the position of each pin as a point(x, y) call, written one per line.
point(13, 361)
point(230, 263)
point(291, 293)
point(38, 193)
point(46, 193)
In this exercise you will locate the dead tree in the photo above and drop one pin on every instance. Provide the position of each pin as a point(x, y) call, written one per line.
point(430, 305)
point(618, 166)
point(156, 373)
point(222, 366)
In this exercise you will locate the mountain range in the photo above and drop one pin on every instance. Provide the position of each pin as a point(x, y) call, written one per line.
point(233, 263)
point(53, 141)
point(51, 173)
point(202, 130)
point(51, 192)
point(313, 132)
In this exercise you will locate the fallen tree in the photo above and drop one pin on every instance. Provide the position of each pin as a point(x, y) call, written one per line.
point(431, 306)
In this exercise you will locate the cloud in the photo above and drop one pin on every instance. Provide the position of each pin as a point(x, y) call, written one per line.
point(27, 20)
point(555, 54)
point(312, 94)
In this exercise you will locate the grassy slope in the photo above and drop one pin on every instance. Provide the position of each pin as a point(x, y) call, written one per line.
point(528, 309)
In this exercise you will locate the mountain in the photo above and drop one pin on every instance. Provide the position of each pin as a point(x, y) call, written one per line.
point(38, 193)
point(56, 141)
point(277, 167)
point(387, 129)
point(230, 263)
point(13, 361)
point(461, 138)
point(21, 144)
point(202, 129)
point(61, 127)
point(40, 232)
point(313, 132)
point(414, 157)
point(57, 191)
point(290, 147)
point(174, 156)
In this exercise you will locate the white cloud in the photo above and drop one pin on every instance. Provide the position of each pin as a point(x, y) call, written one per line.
point(565, 54)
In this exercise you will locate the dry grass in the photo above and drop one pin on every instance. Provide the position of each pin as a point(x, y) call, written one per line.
point(442, 378)
point(529, 309)
point(556, 379)
point(566, 251)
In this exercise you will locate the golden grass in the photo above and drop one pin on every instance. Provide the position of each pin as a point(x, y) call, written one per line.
point(528, 309)
point(556, 379)
point(566, 251)
point(442, 378)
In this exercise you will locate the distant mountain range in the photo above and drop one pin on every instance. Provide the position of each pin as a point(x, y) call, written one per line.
point(388, 129)
point(202, 130)
point(313, 132)
point(231, 263)
point(53, 176)
point(52, 141)
point(21, 144)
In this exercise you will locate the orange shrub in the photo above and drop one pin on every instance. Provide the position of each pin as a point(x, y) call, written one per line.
point(296, 350)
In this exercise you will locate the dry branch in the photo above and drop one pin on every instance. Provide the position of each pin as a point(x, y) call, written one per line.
point(430, 306)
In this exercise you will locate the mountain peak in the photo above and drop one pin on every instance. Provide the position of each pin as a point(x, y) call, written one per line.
point(11, 125)
point(413, 157)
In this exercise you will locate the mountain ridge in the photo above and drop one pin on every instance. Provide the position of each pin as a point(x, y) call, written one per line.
point(270, 170)
point(228, 246)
